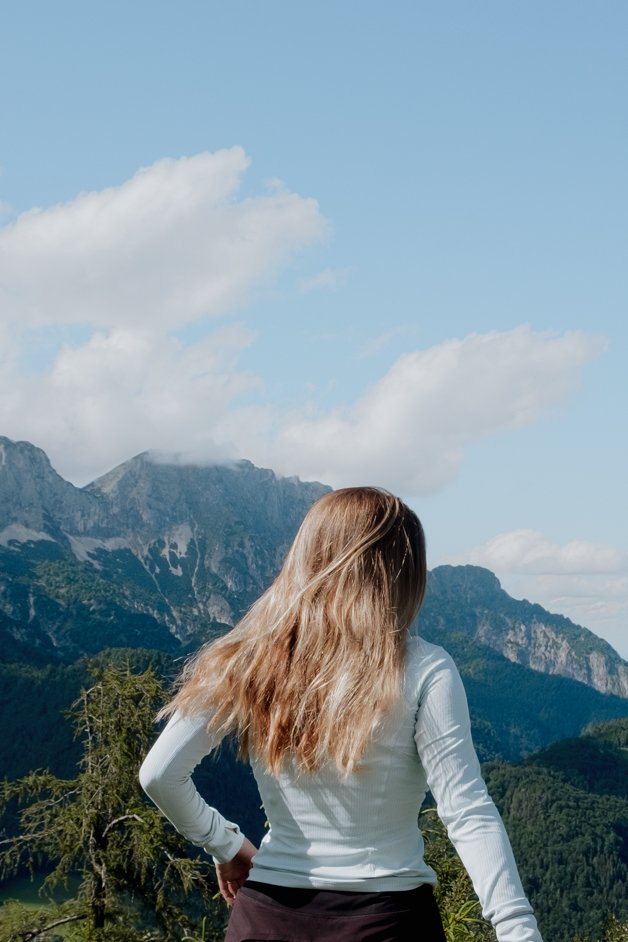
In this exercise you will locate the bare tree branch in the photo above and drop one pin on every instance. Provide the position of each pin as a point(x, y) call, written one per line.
point(53, 925)
point(123, 817)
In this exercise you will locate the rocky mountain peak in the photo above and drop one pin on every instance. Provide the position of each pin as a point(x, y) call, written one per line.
point(156, 552)
point(34, 497)
point(468, 583)
point(470, 599)
point(150, 493)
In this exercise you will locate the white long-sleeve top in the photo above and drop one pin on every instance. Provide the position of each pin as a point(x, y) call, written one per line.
point(360, 833)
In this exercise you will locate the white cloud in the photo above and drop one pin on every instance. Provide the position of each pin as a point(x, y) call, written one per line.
point(528, 551)
point(587, 582)
point(121, 270)
point(129, 389)
point(125, 391)
point(171, 245)
point(117, 273)
point(375, 344)
point(410, 429)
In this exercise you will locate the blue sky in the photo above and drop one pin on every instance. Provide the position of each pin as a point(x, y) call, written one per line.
point(358, 242)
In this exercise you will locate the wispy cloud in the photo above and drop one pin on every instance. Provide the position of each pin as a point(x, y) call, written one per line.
point(123, 271)
point(375, 344)
point(410, 429)
point(529, 551)
point(130, 389)
point(326, 280)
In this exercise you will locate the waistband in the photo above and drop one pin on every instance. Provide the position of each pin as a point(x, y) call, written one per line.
point(337, 902)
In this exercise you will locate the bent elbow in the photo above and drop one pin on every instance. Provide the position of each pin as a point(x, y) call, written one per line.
point(149, 777)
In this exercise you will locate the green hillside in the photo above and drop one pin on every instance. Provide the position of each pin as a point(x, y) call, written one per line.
point(566, 810)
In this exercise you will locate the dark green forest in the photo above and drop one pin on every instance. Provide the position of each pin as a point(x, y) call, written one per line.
point(137, 878)
point(565, 807)
point(566, 810)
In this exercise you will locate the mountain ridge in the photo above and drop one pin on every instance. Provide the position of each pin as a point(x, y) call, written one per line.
point(162, 554)
point(526, 633)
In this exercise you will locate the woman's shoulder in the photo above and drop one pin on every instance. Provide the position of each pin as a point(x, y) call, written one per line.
point(424, 660)
point(423, 653)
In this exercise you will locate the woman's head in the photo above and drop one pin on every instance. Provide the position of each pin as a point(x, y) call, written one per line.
point(316, 664)
point(357, 540)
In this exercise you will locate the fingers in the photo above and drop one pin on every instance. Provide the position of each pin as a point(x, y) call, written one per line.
point(232, 889)
point(228, 890)
point(230, 878)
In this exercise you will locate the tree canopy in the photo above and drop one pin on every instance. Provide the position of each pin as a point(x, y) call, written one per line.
point(134, 869)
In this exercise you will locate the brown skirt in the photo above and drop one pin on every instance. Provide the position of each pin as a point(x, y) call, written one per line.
point(263, 912)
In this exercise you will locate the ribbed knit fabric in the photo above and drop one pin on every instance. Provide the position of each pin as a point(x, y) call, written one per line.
point(360, 833)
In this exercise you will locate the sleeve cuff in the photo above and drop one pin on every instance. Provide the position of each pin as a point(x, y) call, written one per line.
point(521, 928)
point(224, 848)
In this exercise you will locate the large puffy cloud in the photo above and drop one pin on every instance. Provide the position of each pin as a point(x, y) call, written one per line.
point(169, 246)
point(410, 429)
point(122, 270)
point(586, 581)
point(94, 296)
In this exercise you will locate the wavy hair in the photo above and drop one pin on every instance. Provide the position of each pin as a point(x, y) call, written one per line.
point(316, 664)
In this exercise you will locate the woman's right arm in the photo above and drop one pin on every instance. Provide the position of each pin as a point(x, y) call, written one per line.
point(166, 777)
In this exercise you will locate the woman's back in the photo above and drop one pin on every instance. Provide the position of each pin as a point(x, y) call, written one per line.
point(360, 833)
point(357, 831)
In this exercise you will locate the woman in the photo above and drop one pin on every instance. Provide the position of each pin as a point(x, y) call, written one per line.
point(346, 721)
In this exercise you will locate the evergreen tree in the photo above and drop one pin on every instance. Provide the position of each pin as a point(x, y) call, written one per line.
point(616, 931)
point(137, 879)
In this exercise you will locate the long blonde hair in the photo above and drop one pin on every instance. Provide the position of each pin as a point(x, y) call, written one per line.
point(317, 662)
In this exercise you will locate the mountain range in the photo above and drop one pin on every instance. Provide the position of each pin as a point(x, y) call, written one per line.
point(155, 557)
point(162, 555)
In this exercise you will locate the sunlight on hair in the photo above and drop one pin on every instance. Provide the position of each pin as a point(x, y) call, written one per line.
point(315, 666)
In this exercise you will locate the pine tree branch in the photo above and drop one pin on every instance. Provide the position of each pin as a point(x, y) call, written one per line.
point(23, 838)
point(123, 817)
point(53, 925)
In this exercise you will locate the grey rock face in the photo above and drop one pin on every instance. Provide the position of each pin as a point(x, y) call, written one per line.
point(185, 548)
point(527, 634)
point(543, 646)
point(34, 496)
point(162, 555)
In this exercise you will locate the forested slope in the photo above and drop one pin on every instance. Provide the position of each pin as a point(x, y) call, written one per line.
point(566, 810)
point(565, 807)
